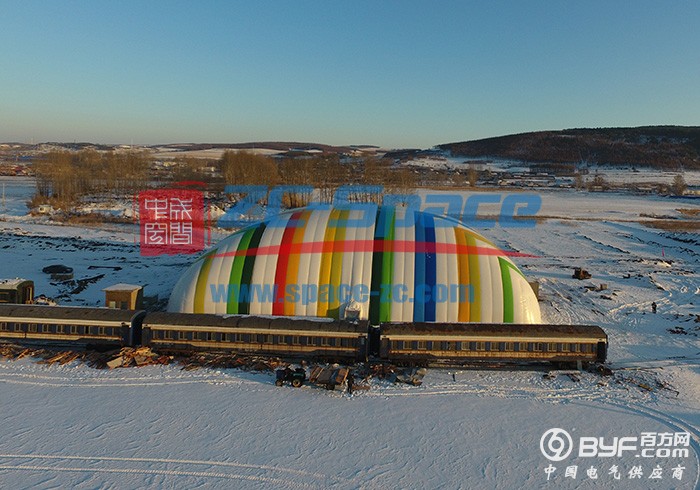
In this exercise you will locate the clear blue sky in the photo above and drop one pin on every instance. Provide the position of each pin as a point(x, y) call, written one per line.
point(394, 73)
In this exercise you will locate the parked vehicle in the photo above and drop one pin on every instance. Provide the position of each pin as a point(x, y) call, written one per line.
point(295, 377)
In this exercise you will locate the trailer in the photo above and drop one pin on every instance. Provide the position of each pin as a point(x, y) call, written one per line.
point(329, 376)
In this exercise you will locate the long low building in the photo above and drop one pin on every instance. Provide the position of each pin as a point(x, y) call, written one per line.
point(376, 263)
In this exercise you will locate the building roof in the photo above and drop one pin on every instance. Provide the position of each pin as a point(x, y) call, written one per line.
point(12, 283)
point(262, 322)
point(67, 313)
point(511, 332)
point(123, 287)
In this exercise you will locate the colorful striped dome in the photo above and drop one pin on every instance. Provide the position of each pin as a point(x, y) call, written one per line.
point(379, 263)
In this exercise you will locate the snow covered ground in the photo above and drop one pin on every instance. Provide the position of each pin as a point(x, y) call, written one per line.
point(613, 174)
point(75, 427)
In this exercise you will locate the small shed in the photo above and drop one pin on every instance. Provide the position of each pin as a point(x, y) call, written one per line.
point(17, 291)
point(124, 296)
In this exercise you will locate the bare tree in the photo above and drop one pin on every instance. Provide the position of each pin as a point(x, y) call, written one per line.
point(472, 175)
point(246, 168)
point(598, 182)
point(678, 187)
point(300, 173)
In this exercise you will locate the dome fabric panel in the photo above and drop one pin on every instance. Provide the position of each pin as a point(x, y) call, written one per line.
point(387, 263)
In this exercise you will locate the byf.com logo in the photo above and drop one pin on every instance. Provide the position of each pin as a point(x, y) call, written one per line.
point(556, 444)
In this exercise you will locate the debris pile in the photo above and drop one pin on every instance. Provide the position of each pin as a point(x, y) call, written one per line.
point(230, 360)
point(412, 376)
point(647, 382)
point(65, 357)
point(329, 376)
point(138, 357)
point(12, 352)
point(128, 356)
point(382, 371)
point(581, 274)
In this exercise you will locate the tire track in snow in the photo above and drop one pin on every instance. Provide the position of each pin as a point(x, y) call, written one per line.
point(576, 394)
point(136, 471)
point(124, 381)
point(119, 384)
point(532, 393)
point(226, 464)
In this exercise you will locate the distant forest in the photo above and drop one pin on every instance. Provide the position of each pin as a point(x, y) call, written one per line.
point(667, 147)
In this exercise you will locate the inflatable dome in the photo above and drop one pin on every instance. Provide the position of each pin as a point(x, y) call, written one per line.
point(380, 263)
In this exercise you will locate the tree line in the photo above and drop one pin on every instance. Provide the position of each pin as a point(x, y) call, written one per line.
point(63, 176)
point(322, 174)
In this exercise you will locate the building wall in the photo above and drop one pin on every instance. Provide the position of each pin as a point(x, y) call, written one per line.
point(124, 300)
